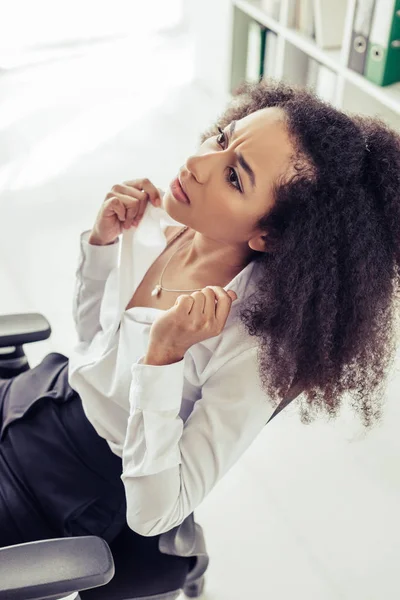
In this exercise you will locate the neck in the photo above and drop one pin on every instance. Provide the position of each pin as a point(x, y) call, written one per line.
point(204, 253)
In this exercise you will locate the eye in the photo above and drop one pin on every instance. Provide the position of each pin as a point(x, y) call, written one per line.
point(219, 141)
point(230, 170)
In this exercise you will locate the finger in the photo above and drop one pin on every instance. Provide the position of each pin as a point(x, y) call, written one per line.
point(211, 302)
point(130, 218)
point(126, 201)
point(141, 209)
point(218, 291)
point(161, 194)
point(127, 191)
point(198, 304)
point(147, 186)
point(184, 303)
point(119, 204)
point(224, 302)
point(114, 206)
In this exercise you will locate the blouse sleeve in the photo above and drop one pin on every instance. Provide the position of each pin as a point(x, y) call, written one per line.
point(170, 466)
point(95, 265)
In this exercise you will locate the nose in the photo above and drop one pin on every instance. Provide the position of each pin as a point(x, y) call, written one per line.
point(202, 165)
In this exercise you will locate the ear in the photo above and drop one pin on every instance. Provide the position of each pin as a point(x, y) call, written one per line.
point(260, 243)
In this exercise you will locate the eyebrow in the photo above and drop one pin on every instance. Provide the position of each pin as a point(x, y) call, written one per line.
point(242, 161)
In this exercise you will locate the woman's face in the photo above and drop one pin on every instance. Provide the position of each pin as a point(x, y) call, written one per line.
point(229, 180)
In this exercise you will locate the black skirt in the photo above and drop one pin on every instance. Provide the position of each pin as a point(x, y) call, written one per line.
point(58, 477)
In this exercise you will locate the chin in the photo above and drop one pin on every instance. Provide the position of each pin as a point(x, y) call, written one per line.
point(171, 207)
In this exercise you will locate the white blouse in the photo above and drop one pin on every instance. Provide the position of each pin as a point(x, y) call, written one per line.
point(178, 428)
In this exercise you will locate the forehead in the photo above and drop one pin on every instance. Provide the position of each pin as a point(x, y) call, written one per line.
point(264, 142)
point(269, 115)
point(266, 127)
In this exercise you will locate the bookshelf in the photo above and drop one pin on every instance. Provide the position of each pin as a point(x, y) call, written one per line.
point(294, 50)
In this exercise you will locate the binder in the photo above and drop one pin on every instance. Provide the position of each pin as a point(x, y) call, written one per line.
point(255, 51)
point(360, 35)
point(269, 63)
point(306, 20)
point(326, 84)
point(383, 52)
point(272, 8)
point(329, 21)
point(312, 74)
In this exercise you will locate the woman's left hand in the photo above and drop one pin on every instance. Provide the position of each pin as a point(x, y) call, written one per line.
point(192, 319)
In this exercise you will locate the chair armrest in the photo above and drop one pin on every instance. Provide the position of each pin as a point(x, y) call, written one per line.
point(54, 568)
point(18, 329)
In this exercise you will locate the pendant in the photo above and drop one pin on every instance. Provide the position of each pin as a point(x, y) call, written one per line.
point(156, 291)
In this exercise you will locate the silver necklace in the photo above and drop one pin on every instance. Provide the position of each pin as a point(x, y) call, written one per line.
point(159, 287)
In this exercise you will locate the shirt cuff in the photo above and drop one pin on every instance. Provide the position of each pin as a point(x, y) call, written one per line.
point(157, 387)
point(98, 261)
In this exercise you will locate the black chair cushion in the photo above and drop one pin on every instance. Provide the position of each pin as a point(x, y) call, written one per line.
point(140, 569)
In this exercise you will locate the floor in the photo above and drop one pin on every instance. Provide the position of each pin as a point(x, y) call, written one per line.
point(310, 513)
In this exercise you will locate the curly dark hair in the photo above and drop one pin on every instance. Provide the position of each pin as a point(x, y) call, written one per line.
point(326, 304)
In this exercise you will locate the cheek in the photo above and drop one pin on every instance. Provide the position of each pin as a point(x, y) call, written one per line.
point(228, 222)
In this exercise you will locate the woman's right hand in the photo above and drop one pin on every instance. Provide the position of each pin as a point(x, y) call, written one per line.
point(123, 208)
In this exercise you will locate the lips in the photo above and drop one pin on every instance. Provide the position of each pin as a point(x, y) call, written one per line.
point(178, 192)
point(183, 189)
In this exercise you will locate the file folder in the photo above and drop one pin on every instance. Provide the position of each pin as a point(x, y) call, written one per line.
point(383, 53)
point(362, 21)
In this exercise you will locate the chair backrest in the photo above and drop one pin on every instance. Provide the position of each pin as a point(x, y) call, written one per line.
point(141, 570)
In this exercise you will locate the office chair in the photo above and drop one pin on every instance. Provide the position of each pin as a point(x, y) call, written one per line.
point(86, 567)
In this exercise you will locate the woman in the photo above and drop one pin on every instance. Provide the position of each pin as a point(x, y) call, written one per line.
point(277, 274)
